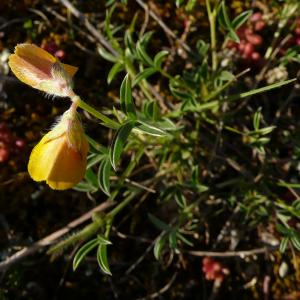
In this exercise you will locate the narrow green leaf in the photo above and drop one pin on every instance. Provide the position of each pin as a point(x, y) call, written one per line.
point(158, 223)
point(232, 35)
point(130, 45)
point(159, 57)
point(158, 246)
point(283, 244)
point(151, 110)
point(119, 141)
point(184, 239)
point(180, 94)
point(202, 48)
point(103, 240)
point(296, 204)
point(85, 186)
point(126, 100)
point(142, 54)
point(265, 130)
point(180, 199)
point(289, 185)
point(143, 75)
point(149, 129)
point(259, 90)
point(116, 68)
point(146, 38)
point(296, 242)
point(95, 145)
point(226, 76)
point(173, 240)
point(239, 20)
point(103, 176)
point(106, 55)
point(167, 124)
point(223, 16)
point(284, 230)
point(190, 5)
point(91, 177)
point(93, 160)
point(256, 119)
point(102, 259)
point(107, 26)
point(83, 251)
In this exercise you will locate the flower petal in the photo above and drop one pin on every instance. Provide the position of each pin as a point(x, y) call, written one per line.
point(38, 55)
point(32, 52)
point(43, 157)
point(68, 168)
point(71, 70)
point(23, 70)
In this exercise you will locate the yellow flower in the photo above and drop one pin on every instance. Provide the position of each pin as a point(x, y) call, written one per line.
point(60, 157)
point(41, 70)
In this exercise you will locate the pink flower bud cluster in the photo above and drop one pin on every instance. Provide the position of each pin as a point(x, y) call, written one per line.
point(213, 270)
point(250, 39)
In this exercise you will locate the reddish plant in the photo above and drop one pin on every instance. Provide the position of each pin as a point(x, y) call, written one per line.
point(213, 270)
point(250, 39)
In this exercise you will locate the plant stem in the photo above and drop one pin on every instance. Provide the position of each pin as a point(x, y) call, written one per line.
point(121, 206)
point(212, 14)
point(106, 120)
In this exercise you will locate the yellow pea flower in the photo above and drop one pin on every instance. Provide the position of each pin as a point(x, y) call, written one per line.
point(41, 70)
point(60, 157)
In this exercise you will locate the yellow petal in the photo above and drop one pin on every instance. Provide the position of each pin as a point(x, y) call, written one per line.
point(31, 51)
point(71, 70)
point(56, 162)
point(60, 185)
point(35, 53)
point(23, 70)
point(68, 168)
point(43, 157)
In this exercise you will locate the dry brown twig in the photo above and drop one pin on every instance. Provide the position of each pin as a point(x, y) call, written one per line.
point(241, 253)
point(75, 12)
point(52, 238)
point(166, 29)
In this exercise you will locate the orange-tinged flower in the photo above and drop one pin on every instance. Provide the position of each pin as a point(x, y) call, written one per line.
point(60, 157)
point(41, 70)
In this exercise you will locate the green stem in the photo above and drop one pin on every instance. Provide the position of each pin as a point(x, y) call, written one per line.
point(87, 231)
point(121, 206)
point(259, 90)
point(107, 121)
point(212, 14)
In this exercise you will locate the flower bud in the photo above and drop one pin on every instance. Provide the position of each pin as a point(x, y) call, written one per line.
point(60, 157)
point(41, 70)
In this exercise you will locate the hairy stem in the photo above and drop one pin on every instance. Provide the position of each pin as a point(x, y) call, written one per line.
point(106, 120)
